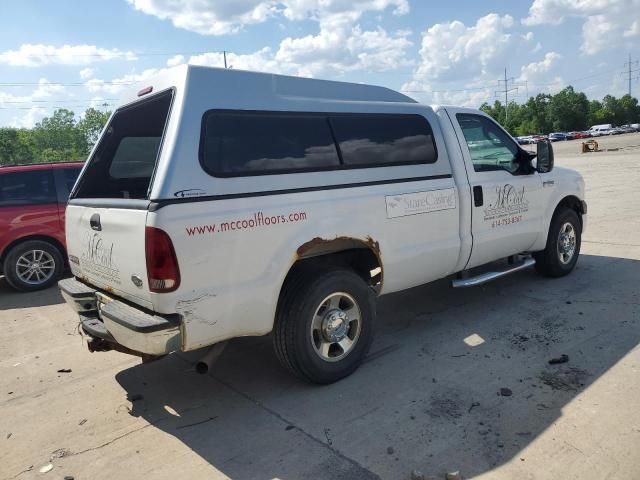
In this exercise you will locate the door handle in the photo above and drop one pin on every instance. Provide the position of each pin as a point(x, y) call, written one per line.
point(94, 221)
point(478, 198)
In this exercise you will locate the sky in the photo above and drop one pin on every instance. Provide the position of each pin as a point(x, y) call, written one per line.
point(80, 53)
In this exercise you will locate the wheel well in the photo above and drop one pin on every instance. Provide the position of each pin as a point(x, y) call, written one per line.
point(362, 256)
point(43, 238)
point(573, 203)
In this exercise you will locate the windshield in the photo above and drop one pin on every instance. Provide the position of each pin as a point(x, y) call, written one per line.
point(124, 160)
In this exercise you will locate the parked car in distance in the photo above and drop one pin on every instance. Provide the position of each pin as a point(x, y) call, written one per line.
point(600, 130)
point(557, 136)
point(578, 135)
point(32, 205)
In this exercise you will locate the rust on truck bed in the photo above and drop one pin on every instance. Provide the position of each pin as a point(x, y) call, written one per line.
point(322, 246)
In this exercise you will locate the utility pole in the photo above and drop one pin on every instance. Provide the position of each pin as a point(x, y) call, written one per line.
point(629, 71)
point(506, 91)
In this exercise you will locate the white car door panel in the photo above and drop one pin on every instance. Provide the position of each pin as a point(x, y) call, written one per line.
point(507, 197)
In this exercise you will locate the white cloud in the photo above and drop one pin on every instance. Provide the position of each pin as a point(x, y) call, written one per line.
point(175, 60)
point(468, 59)
point(535, 70)
point(340, 46)
point(461, 64)
point(47, 89)
point(260, 61)
point(33, 55)
point(607, 23)
point(452, 49)
point(86, 73)
point(29, 118)
point(220, 17)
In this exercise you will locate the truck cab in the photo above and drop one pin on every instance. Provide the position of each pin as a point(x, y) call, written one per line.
point(221, 203)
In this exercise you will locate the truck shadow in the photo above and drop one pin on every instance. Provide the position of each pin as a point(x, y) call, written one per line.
point(10, 298)
point(456, 380)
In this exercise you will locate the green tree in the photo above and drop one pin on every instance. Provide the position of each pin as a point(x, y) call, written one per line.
point(569, 110)
point(92, 124)
point(58, 138)
point(16, 146)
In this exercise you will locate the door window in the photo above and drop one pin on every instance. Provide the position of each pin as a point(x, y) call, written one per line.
point(490, 147)
point(27, 188)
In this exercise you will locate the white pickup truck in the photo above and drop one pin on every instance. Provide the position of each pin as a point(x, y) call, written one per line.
point(220, 203)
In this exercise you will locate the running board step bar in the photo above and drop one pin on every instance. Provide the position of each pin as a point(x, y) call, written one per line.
point(488, 276)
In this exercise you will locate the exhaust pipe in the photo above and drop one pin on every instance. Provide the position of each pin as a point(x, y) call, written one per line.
point(206, 362)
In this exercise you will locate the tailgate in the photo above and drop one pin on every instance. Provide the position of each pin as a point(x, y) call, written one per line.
point(106, 248)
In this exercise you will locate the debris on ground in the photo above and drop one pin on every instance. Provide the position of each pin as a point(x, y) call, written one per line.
point(564, 358)
point(505, 392)
point(46, 468)
point(9, 435)
point(328, 436)
point(64, 370)
point(68, 477)
point(60, 453)
point(453, 476)
point(567, 379)
point(417, 475)
point(474, 404)
point(82, 422)
point(390, 450)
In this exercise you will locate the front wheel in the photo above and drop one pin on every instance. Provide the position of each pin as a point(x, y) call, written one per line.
point(324, 324)
point(563, 245)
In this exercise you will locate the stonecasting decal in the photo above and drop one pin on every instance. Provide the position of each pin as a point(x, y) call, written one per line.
point(406, 204)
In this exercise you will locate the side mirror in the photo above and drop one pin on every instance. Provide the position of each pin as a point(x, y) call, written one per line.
point(544, 163)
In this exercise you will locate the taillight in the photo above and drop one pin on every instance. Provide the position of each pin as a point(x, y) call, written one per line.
point(162, 265)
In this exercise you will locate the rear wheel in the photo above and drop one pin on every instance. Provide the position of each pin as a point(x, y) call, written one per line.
point(563, 245)
point(33, 265)
point(324, 324)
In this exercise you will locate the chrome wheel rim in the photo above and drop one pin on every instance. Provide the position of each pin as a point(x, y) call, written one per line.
point(35, 267)
point(566, 243)
point(336, 326)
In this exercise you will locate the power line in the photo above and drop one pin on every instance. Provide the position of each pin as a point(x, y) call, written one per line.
point(629, 71)
point(506, 91)
point(3, 102)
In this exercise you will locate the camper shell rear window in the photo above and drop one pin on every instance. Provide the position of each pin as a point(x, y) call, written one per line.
point(123, 163)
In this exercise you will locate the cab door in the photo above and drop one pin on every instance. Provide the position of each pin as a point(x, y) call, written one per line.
point(507, 194)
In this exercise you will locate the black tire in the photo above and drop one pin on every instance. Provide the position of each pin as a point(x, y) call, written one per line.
point(51, 253)
point(301, 298)
point(548, 261)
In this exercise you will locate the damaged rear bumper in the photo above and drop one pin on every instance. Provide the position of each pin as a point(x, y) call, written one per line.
point(118, 325)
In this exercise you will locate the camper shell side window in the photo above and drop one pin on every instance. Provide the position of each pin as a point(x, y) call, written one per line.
point(237, 143)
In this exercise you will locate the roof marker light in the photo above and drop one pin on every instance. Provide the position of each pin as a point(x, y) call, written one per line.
point(145, 90)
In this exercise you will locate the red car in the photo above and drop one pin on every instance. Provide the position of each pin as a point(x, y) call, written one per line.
point(32, 204)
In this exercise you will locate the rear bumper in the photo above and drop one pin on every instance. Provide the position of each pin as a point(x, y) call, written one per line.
point(119, 323)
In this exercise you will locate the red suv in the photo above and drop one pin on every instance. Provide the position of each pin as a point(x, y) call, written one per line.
point(32, 203)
